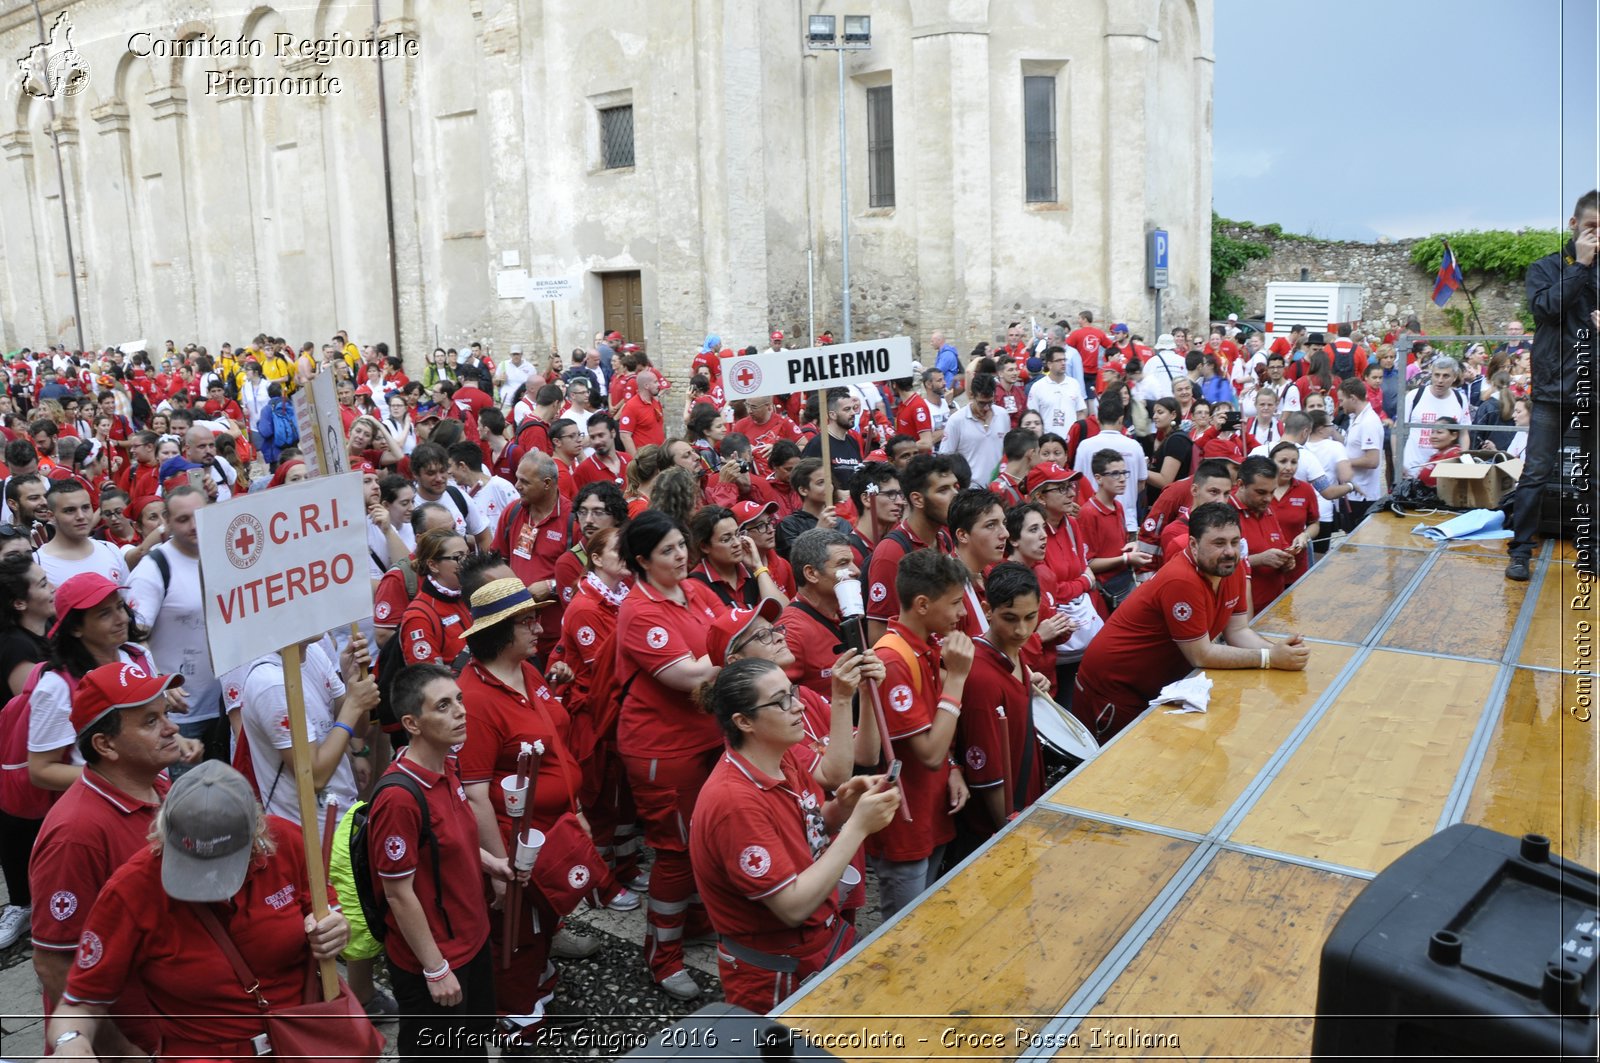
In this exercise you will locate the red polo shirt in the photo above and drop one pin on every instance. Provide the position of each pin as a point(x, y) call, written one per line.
point(623, 388)
point(1296, 511)
point(1172, 503)
point(591, 471)
point(883, 602)
point(499, 720)
point(589, 621)
point(389, 601)
point(815, 646)
point(1261, 533)
point(642, 420)
point(1104, 530)
point(1068, 559)
point(984, 740)
point(432, 629)
point(913, 418)
point(652, 633)
point(910, 702)
point(754, 834)
point(532, 551)
point(137, 932)
point(1137, 652)
point(394, 838)
point(762, 436)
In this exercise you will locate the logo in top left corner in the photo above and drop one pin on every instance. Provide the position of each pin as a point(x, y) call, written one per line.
point(54, 69)
point(245, 538)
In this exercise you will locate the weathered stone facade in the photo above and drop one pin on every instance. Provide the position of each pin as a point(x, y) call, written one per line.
point(1384, 270)
point(212, 215)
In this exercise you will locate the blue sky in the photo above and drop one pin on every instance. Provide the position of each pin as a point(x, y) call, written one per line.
point(1408, 117)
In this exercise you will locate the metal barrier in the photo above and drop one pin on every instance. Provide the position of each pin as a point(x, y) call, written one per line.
point(1401, 428)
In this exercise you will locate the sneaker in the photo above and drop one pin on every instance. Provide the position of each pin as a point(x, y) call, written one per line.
point(625, 901)
point(14, 922)
point(680, 985)
point(570, 946)
point(381, 1007)
point(1517, 569)
point(639, 883)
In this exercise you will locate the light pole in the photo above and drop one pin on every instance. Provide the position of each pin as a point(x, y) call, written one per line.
point(821, 37)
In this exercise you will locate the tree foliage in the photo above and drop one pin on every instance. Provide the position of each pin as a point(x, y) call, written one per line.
point(1496, 252)
point(1228, 257)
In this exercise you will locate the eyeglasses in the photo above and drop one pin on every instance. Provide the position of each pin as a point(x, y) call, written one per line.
point(457, 558)
point(11, 531)
point(528, 619)
point(759, 526)
point(728, 540)
point(768, 637)
point(789, 701)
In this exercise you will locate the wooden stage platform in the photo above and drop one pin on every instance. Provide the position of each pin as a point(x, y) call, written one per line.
point(1171, 897)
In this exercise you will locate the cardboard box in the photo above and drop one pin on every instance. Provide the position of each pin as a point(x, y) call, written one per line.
point(1474, 484)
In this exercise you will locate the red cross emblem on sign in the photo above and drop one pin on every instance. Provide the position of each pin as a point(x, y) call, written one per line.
point(244, 540)
point(746, 378)
point(244, 534)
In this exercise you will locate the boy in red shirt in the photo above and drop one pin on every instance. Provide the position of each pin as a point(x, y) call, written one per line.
point(921, 695)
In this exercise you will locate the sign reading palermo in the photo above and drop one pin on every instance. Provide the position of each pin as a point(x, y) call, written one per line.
point(782, 372)
point(283, 565)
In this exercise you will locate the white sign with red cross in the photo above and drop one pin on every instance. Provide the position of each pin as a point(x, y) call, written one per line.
point(783, 372)
point(282, 565)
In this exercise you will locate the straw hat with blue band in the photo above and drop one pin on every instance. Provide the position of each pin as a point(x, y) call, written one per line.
point(500, 600)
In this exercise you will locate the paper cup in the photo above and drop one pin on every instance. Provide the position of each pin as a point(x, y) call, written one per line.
point(848, 883)
point(848, 592)
point(529, 842)
point(516, 797)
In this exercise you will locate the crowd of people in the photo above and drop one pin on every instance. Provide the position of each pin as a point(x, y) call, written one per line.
point(777, 666)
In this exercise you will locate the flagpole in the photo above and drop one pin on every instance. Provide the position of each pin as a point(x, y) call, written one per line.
point(1472, 306)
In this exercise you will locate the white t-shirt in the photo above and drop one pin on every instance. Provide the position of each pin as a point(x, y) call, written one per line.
point(50, 720)
point(176, 618)
point(1365, 433)
point(980, 444)
point(1427, 407)
point(938, 413)
point(516, 375)
point(1330, 452)
point(1132, 454)
point(266, 721)
point(378, 559)
point(104, 559)
point(1058, 404)
point(492, 498)
point(1310, 470)
point(1160, 370)
point(469, 523)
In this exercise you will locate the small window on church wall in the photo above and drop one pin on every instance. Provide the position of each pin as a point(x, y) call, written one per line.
point(880, 146)
point(1039, 135)
point(616, 137)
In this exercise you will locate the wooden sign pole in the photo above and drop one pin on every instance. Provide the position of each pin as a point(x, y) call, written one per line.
point(316, 876)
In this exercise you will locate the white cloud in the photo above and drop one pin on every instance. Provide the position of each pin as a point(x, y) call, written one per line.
point(1242, 164)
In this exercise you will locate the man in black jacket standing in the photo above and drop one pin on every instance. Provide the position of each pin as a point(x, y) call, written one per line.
point(1562, 297)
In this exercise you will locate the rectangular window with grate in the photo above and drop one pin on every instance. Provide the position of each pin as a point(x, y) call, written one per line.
point(616, 137)
point(1039, 135)
point(880, 146)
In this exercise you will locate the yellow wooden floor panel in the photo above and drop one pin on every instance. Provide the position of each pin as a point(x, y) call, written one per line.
point(1386, 529)
point(1555, 639)
point(1233, 969)
point(1003, 944)
point(1520, 789)
point(1184, 771)
point(1465, 606)
point(1343, 596)
point(1371, 779)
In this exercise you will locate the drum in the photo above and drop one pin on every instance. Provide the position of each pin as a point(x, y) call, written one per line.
point(1062, 732)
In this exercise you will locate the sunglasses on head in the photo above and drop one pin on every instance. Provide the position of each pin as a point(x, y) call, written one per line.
point(12, 531)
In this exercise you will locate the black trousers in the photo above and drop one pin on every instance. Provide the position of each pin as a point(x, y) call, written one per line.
point(16, 848)
point(428, 1031)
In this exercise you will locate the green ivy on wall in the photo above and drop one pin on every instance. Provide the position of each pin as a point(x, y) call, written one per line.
point(1502, 254)
point(1228, 257)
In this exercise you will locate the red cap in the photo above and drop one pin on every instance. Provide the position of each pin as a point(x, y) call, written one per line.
point(726, 630)
point(366, 468)
point(83, 591)
point(115, 686)
point(746, 512)
point(418, 416)
point(363, 390)
point(877, 455)
point(777, 334)
point(1048, 472)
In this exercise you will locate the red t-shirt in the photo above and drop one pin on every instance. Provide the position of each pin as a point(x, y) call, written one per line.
point(984, 739)
point(652, 633)
point(533, 434)
point(913, 418)
point(397, 850)
point(753, 836)
point(815, 646)
point(505, 466)
point(909, 702)
point(643, 420)
point(1233, 448)
point(1261, 533)
point(1089, 341)
point(137, 933)
point(1137, 652)
point(623, 387)
point(762, 436)
point(1427, 474)
point(532, 551)
point(588, 622)
point(591, 471)
point(499, 720)
point(389, 601)
point(1171, 504)
point(883, 601)
point(1295, 512)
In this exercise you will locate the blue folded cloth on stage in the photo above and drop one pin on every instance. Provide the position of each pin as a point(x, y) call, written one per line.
point(1477, 524)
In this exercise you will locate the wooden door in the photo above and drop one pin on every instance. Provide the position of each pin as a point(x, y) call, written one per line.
point(623, 298)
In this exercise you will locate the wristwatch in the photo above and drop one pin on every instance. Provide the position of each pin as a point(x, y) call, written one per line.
point(62, 1039)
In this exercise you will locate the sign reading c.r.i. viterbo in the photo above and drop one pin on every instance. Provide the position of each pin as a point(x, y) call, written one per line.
point(782, 372)
point(282, 565)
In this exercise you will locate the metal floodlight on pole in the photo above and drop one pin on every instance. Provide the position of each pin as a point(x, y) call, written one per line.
point(821, 35)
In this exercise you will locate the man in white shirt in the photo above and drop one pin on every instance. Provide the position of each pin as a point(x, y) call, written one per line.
point(1057, 397)
point(1441, 398)
point(337, 700)
point(491, 494)
point(1113, 423)
point(512, 373)
point(72, 551)
point(431, 466)
point(164, 593)
point(977, 431)
point(1363, 445)
point(1160, 370)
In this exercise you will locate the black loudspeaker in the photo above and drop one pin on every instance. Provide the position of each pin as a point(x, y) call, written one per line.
point(1473, 944)
point(725, 1031)
point(1562, 513)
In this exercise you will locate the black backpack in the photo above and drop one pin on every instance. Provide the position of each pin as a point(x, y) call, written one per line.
point(1344, 362)
point(374, 905)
